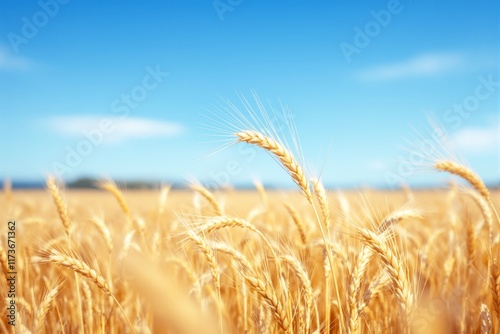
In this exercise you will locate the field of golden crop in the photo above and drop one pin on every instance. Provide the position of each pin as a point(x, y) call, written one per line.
point(199, 261)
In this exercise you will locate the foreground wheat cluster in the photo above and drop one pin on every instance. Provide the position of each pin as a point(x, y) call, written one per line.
point(230, 261)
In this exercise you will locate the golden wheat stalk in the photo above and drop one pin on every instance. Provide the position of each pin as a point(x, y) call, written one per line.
point(321, 194)
point(214, 268)
point(217, 223)
point(282, 154)
point(466, 174)
point(188, 270)
point(371, 291)
point(61, 206)
point(89, 312)
point(384, 231)
point(262, 192)
point(104, 231)
point(303, 276)
point(235, 254)
point(209, 196)
point(394, 268)
point(79, 267)
point(113, 189)
point(44, 308)
point(298, 222)
point(486, 325)
point(495, 287)
point(4, 263)
point(269, 296)
point(82, 268)
point(486, 212)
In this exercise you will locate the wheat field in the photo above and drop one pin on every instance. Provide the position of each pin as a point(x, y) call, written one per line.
point(233, 261)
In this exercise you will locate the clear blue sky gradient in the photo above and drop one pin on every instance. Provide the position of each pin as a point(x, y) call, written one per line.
point(352, 114)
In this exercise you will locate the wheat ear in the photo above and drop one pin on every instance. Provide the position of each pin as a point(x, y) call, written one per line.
point(262, 192)
point(235, 254)
point(373, 289)
point(4, 263)
point(466, 174)
point(486, 212)
point(80, 267)
point(89, 313)
point(384, 231)
point(321, 194)
point(104, 231)
point(190, 273)
point(486, 325)
point(394, 268)
point(270, 298)
point(212, 262)
point(298, 222)
point(282, 154)
point(44, 308)
point(205, 193)
point(495, 287)
point(306, 284)
point(61, 206)
point(217, 223)
point(113, 189)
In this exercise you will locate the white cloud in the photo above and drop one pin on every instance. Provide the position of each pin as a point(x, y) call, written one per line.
point(8, 61)
point(477, 140)
point(422, 65)
point(121, 129)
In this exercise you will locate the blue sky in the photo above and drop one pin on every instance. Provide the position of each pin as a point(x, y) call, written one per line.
point(358, 76)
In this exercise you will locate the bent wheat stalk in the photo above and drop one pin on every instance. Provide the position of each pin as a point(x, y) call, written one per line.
point(384, 232)
point(282, 154)
point(298, 222)
point(80, 267)
point(62, 208)
point(320, 192)
point(466, 174)
point(306, 283)
point(270, 298)
point(394, 268)
point(205, 193)
point(44, 308)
